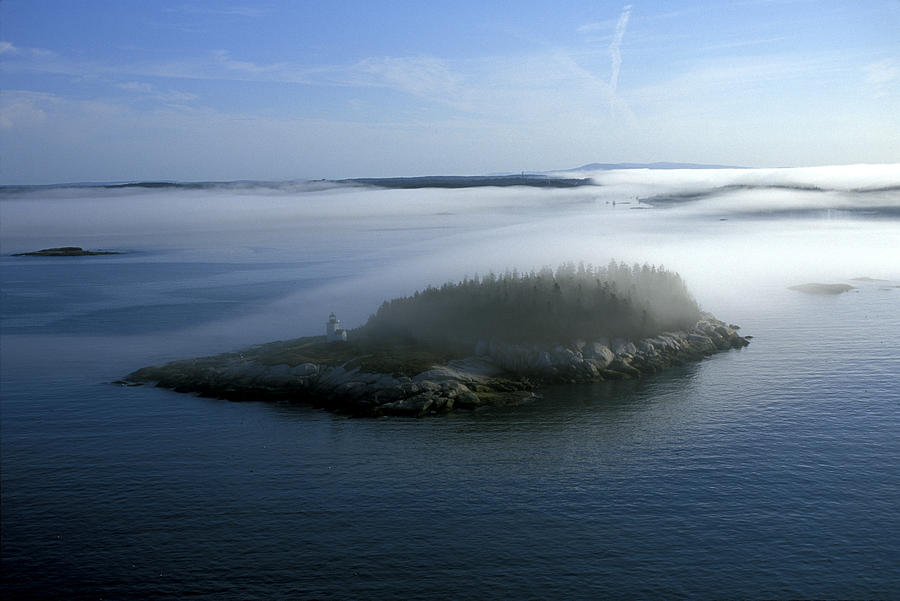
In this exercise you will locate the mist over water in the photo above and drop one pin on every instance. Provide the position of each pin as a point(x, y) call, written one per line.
point(766, 472)
point(730, 233)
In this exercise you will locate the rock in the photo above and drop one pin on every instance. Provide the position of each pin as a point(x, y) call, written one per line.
point(724, 331)
point(646, 346)
point(599, 353)
point(701, 343)
point(611, 374)
point(588, 371)
point(740, 341)
point(414, 406)
point(351, 390)
point(467, 400)
point(543, 361)
point(563, 357)
point(384, 382)
point(277, 373)
point(624, 366)
point(306, 369)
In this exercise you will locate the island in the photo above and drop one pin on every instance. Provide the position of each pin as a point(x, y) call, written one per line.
point(817, 288)
point(485, 341)
point(66, 251)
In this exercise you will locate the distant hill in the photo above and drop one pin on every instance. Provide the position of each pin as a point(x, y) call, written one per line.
point(661, 165)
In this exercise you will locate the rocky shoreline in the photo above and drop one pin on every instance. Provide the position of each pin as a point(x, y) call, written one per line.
point(497, 375)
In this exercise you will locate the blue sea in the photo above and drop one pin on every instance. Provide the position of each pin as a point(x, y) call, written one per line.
point(767, 472)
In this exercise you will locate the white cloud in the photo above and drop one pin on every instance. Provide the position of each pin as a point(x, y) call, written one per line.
point(134, 86)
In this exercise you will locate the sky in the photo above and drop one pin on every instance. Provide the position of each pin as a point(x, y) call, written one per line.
point(196, 90)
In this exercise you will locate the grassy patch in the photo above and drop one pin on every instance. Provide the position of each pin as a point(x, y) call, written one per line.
point(395, 358)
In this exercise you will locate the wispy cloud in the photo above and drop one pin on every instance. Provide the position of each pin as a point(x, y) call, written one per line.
point(524, 89)
point(722, 85)
point(744, 43)
point(423, 76)
point(615, 53)
point(10, 49)
point(23, 109)
point(235, 10)
point(595, 26)
point(134, 86)
point(150, 90)
point(224, 58)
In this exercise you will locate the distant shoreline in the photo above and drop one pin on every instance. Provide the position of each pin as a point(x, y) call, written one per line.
point(524, 178)
point(473, 181)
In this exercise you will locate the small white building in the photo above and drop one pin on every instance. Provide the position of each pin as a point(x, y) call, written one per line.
point(333, 330)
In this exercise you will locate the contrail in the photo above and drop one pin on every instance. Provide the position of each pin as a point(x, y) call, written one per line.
point(615, 55)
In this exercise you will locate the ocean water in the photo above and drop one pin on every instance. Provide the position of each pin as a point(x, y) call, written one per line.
point(768, 472)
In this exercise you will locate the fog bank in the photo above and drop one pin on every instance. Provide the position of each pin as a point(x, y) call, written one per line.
point(730, 234)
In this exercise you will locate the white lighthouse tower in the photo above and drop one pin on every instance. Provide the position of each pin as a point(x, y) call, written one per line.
point(333, 330)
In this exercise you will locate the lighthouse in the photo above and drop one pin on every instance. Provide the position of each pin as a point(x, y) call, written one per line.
point(333, 330)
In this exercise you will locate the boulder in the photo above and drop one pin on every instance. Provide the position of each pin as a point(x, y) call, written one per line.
point(625, 367)
point(701, 343)
point(599, 353)
point(306, 369)
point(467, 400)
point(563, 357)
point(543, 361)
point(414, 406)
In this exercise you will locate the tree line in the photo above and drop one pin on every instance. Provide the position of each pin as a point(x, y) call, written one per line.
point(543, 306)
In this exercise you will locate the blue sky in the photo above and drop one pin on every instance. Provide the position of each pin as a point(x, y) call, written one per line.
point(217, 90)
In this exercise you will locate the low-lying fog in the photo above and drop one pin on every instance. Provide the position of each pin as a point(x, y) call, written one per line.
point(731, 233)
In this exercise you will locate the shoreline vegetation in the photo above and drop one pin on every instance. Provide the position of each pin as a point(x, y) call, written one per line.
point(489, 341)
